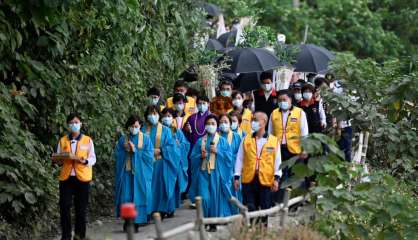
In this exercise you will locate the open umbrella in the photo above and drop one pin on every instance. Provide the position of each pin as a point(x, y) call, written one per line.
point(228, 39)
point(214, 44)
point(312, 58)
point(246, 82)
point(211, 9)
point(246, 60)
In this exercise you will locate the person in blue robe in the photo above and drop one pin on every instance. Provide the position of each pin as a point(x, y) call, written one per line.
point(165, 163)
point(134, 166)
point(211, 172)
point(182, 149)
point(236, 123)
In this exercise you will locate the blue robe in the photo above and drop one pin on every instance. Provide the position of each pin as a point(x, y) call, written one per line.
point(134, 186)
point(235, 144)
point(164, 176)
point(182, 150)
point(244, 133)
point(214, 188)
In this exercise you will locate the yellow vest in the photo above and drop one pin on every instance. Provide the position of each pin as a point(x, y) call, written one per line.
point(292, 131)
point(246, 120)
point(189, 107)
point(265, 163)
point(83, 172)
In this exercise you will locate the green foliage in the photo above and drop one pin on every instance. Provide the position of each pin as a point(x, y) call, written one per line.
point(95, 57)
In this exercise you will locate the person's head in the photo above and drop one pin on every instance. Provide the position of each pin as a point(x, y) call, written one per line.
point(237, 99)
point(179, 102)
point(167, 115)
point(133, 124)
point(307, 91)
point(284, 98)
point(211, 124)
point(74, 122)
point(180, 86)
point(297, 91)
point(192, 92)
point(248, 103)
point(224, 122)
point(202, 103)
point(225, 88)
point(266, 80)
point(236, 119)
point(153, 95)
point(152, 114)
point(259, 121)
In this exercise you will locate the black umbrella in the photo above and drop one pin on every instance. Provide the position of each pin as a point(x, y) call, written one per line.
point(214, 44)
point(211, 9)
point(228, 39)
point(246, 60)
point(312, 58)
point(246, 82)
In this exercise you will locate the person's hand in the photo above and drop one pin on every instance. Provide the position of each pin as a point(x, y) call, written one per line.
point(81, 159)
point(303, 155)
point(188, 128)
point(236, 185)
point(131, 147)
point(213, 149)
point(323, 125)
point(157, 152)
point(275, 186)
point(204, 154)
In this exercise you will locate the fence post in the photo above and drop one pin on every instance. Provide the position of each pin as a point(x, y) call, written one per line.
point(190, 235)
point(285, 209)
point(158, 228)
point(243, 210)
point(199, 218)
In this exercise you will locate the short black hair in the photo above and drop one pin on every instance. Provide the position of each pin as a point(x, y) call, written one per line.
point(225, 115)
point(153, 91)
point(202, 98)
point(212, 116)
point(236, 92)
point(192, 92)
point(73, 115)
point(150, 109)
point(226, 82)
point(308, 86)
point(266, 75)
point(235, 114)
point(132, 120)
point(319, 81)
point(168, 110)
point(180, 83)
point(247, 103)
point(178, 96)
point(284, 92)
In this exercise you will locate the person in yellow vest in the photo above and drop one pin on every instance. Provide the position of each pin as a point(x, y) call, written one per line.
point(258, 165)
point(180, 115)
point(75, 176)
point(180, 86)
point(246, 114)
point(289, 124)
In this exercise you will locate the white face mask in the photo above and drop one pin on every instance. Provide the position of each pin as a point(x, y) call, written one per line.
point(179, 107)
point(74, 127)
point(234, 126)
point(154, 101)
point(224, 127)
point(237, 103)
point(255, 126)
point(167, 121)
point(134, 131)
point(298, 96)
point(307, 95)
point(210, 129)
point(267, 87)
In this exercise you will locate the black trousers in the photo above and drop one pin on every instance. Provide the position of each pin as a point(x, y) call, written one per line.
point(70, 189)
point(278, 196)
point(256, 196)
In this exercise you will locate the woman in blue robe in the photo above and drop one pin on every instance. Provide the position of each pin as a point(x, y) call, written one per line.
point(134, 165)
point(182, 150)
point(234, 141)
point(165, 163)
point(211, 172)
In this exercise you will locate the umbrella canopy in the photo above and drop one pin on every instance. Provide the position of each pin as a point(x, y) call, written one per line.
point(212, 9)
point(246, 60)
point(246, 82)
point(312, 58)
point(228, 39)
point(214, 44)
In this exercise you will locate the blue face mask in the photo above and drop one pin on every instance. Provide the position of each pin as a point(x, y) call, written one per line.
point(226, 93)
point(134, 131)
point(284, 105)
point(202, 107)
point(224, 127)
point(74, 127)
point(298, 96)
point(167, 121)
point(234, 126)
point(153, 119)
point(154, 101)
point(255, 126)
point(210, 129)
point(307, 95)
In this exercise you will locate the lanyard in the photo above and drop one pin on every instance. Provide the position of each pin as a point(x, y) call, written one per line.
point(258, 158)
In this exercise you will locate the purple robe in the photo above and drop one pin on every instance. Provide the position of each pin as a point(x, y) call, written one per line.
point(197, 123)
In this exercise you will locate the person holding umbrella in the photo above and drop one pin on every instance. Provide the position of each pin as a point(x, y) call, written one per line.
point(265, 99)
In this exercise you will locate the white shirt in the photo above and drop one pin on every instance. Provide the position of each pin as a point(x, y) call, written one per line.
point(91, 154)
point(304, 131)
point(267, 94)
point(260, 143)
point(179, 121)
point(322, 115)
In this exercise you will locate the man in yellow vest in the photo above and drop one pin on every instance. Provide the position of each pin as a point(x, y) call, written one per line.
point(288, 123)
point(75, 176)
point(180, 86)
point(258, 165)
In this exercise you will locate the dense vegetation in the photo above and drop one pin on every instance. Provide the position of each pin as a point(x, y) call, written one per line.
point(99, 57)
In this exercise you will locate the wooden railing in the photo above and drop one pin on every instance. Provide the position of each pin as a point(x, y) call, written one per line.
point(244, 217)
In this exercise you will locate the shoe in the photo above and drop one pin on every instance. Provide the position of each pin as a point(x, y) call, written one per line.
point(212, 228)
point(170, 215)
point(136, 227)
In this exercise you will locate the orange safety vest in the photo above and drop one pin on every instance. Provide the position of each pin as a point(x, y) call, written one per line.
point(246, 117)
point(83, 172)
point(189, 106)
point(265, 161)
point(292, 130)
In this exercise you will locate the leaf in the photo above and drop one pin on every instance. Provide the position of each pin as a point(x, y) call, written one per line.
point(30, 198)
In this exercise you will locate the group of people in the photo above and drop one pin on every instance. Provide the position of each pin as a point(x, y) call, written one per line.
point(189, 146)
